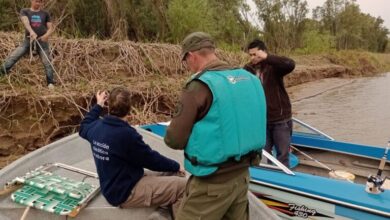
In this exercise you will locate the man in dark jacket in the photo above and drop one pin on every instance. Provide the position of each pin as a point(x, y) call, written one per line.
point(121, 155)
point(271, 70)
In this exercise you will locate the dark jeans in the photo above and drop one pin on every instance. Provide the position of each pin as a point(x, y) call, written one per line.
point(25, 48)
point(279, 135)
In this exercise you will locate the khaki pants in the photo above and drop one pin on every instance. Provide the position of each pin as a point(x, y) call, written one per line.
point(205, 200)
point(156, 189)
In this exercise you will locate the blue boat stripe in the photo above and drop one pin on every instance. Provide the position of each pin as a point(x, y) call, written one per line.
point(337, 146)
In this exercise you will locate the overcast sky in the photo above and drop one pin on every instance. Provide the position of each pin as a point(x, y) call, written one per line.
point(375, 8)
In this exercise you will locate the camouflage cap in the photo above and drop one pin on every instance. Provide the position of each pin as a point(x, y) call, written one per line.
point(196, 41)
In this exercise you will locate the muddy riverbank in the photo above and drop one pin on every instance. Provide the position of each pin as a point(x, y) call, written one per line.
point(32, 116)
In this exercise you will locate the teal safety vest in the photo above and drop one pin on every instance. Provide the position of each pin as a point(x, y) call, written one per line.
point(234, 126)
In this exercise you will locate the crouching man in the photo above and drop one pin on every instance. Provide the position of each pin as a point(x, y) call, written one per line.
point(121, 155)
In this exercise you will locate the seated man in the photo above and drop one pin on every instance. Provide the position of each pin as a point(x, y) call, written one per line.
point(121, 155)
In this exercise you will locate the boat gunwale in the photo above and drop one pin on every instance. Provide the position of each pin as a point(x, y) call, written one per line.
point(57, 144)
point(38, 152)
point(322, 198)
point(338, 151)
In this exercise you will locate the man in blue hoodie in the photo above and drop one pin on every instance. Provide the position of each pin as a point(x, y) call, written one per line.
point(121, 155)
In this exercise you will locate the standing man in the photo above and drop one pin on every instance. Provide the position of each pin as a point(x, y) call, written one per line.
point(219, 132)
point(121, 155)
point(38, 29)
point(271, 69)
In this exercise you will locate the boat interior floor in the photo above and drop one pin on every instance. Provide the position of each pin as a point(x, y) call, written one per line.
point(359, 166)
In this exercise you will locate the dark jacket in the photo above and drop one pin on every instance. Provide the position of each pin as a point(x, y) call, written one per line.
point(271, 72)
point(120, 155)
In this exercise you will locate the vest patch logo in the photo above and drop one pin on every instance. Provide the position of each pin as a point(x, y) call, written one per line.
point(236, 79)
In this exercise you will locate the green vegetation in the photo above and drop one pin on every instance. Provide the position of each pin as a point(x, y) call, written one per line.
point(282, 24)
point(361, 63)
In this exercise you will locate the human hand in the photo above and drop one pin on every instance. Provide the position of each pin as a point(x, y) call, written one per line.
point(261, 55)
point(101, 97)
point(181, 172)
point(44, 38)
point(33, 36)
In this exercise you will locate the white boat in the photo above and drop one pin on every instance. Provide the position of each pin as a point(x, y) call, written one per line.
point(76, 152)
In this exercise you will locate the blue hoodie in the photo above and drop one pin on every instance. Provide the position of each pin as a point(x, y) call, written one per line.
point(120, 155)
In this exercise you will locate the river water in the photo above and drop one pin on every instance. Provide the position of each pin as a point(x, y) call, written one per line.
point(353, 110)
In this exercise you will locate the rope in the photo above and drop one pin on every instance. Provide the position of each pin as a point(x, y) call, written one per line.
point(60, 79)
point(25, 213)
point(313, 159)
point(318, 162)
point(31, 52)
point(322, 92)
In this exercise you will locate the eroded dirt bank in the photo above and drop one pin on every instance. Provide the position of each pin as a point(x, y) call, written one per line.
point(32, 116)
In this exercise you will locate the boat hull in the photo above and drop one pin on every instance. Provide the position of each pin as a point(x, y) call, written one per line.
point(302, 196)
point(317, 196)
point(290, 205)
point(75, 151)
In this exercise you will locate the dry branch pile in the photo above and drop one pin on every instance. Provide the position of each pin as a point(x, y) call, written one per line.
point(32, 116)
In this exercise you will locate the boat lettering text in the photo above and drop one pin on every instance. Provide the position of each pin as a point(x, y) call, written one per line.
point(301, 210)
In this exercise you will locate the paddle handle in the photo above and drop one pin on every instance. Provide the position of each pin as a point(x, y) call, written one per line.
point(313, 159)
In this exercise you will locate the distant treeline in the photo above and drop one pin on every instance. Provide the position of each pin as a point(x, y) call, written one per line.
point(283, 24)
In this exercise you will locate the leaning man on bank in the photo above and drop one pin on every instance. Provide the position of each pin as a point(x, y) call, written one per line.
point(38, 30)
point(218, 130)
